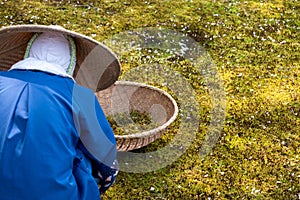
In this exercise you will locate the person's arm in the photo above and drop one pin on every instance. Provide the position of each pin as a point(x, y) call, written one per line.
point(104, 175)
point(97, 140)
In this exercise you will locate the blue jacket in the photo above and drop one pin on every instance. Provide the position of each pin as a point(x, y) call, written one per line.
point(51, 131)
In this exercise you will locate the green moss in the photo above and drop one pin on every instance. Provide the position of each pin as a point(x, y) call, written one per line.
point(255, 46)
point(130, 123)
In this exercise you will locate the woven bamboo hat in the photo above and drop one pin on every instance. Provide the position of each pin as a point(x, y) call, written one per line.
point(97, 67)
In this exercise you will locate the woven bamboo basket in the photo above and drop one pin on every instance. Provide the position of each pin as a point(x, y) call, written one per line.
point(126, 96)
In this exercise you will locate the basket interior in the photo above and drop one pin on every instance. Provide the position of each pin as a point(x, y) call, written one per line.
point(126, 97)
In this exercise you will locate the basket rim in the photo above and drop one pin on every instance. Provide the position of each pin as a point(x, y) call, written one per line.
point(158, 129)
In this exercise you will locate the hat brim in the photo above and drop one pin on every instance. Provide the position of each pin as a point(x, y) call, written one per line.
point(97, 67)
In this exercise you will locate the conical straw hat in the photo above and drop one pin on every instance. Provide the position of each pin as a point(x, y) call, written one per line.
point(97, 67)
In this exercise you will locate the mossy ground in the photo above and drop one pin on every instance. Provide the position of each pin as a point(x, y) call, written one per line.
point(255, 46)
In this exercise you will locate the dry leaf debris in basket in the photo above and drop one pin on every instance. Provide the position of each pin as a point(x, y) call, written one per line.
point(134, 122)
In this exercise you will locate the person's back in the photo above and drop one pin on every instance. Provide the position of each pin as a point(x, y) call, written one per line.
point(54, 138)
point(39, 148)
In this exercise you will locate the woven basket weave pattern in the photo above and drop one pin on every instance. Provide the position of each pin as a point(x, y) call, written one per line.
point(17, 49)
point(125, 96)
point(91, 55)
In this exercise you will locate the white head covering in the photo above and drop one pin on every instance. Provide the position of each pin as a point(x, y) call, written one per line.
point(50, 52)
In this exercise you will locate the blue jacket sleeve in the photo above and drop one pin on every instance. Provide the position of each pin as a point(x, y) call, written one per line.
point(104, 175)
point(97, 140)
point(91, 123)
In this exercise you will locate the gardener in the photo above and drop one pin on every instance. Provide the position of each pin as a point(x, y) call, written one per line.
point(55, 142)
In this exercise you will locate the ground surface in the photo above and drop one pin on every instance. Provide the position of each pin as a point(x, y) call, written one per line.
point(255, 48)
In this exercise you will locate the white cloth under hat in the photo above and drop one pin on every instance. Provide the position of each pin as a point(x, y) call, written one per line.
point(50, 52)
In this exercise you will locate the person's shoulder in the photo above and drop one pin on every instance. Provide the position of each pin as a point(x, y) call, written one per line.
point(4, 76)
point(4, 73)
point(10, 74)
point(81, 90)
